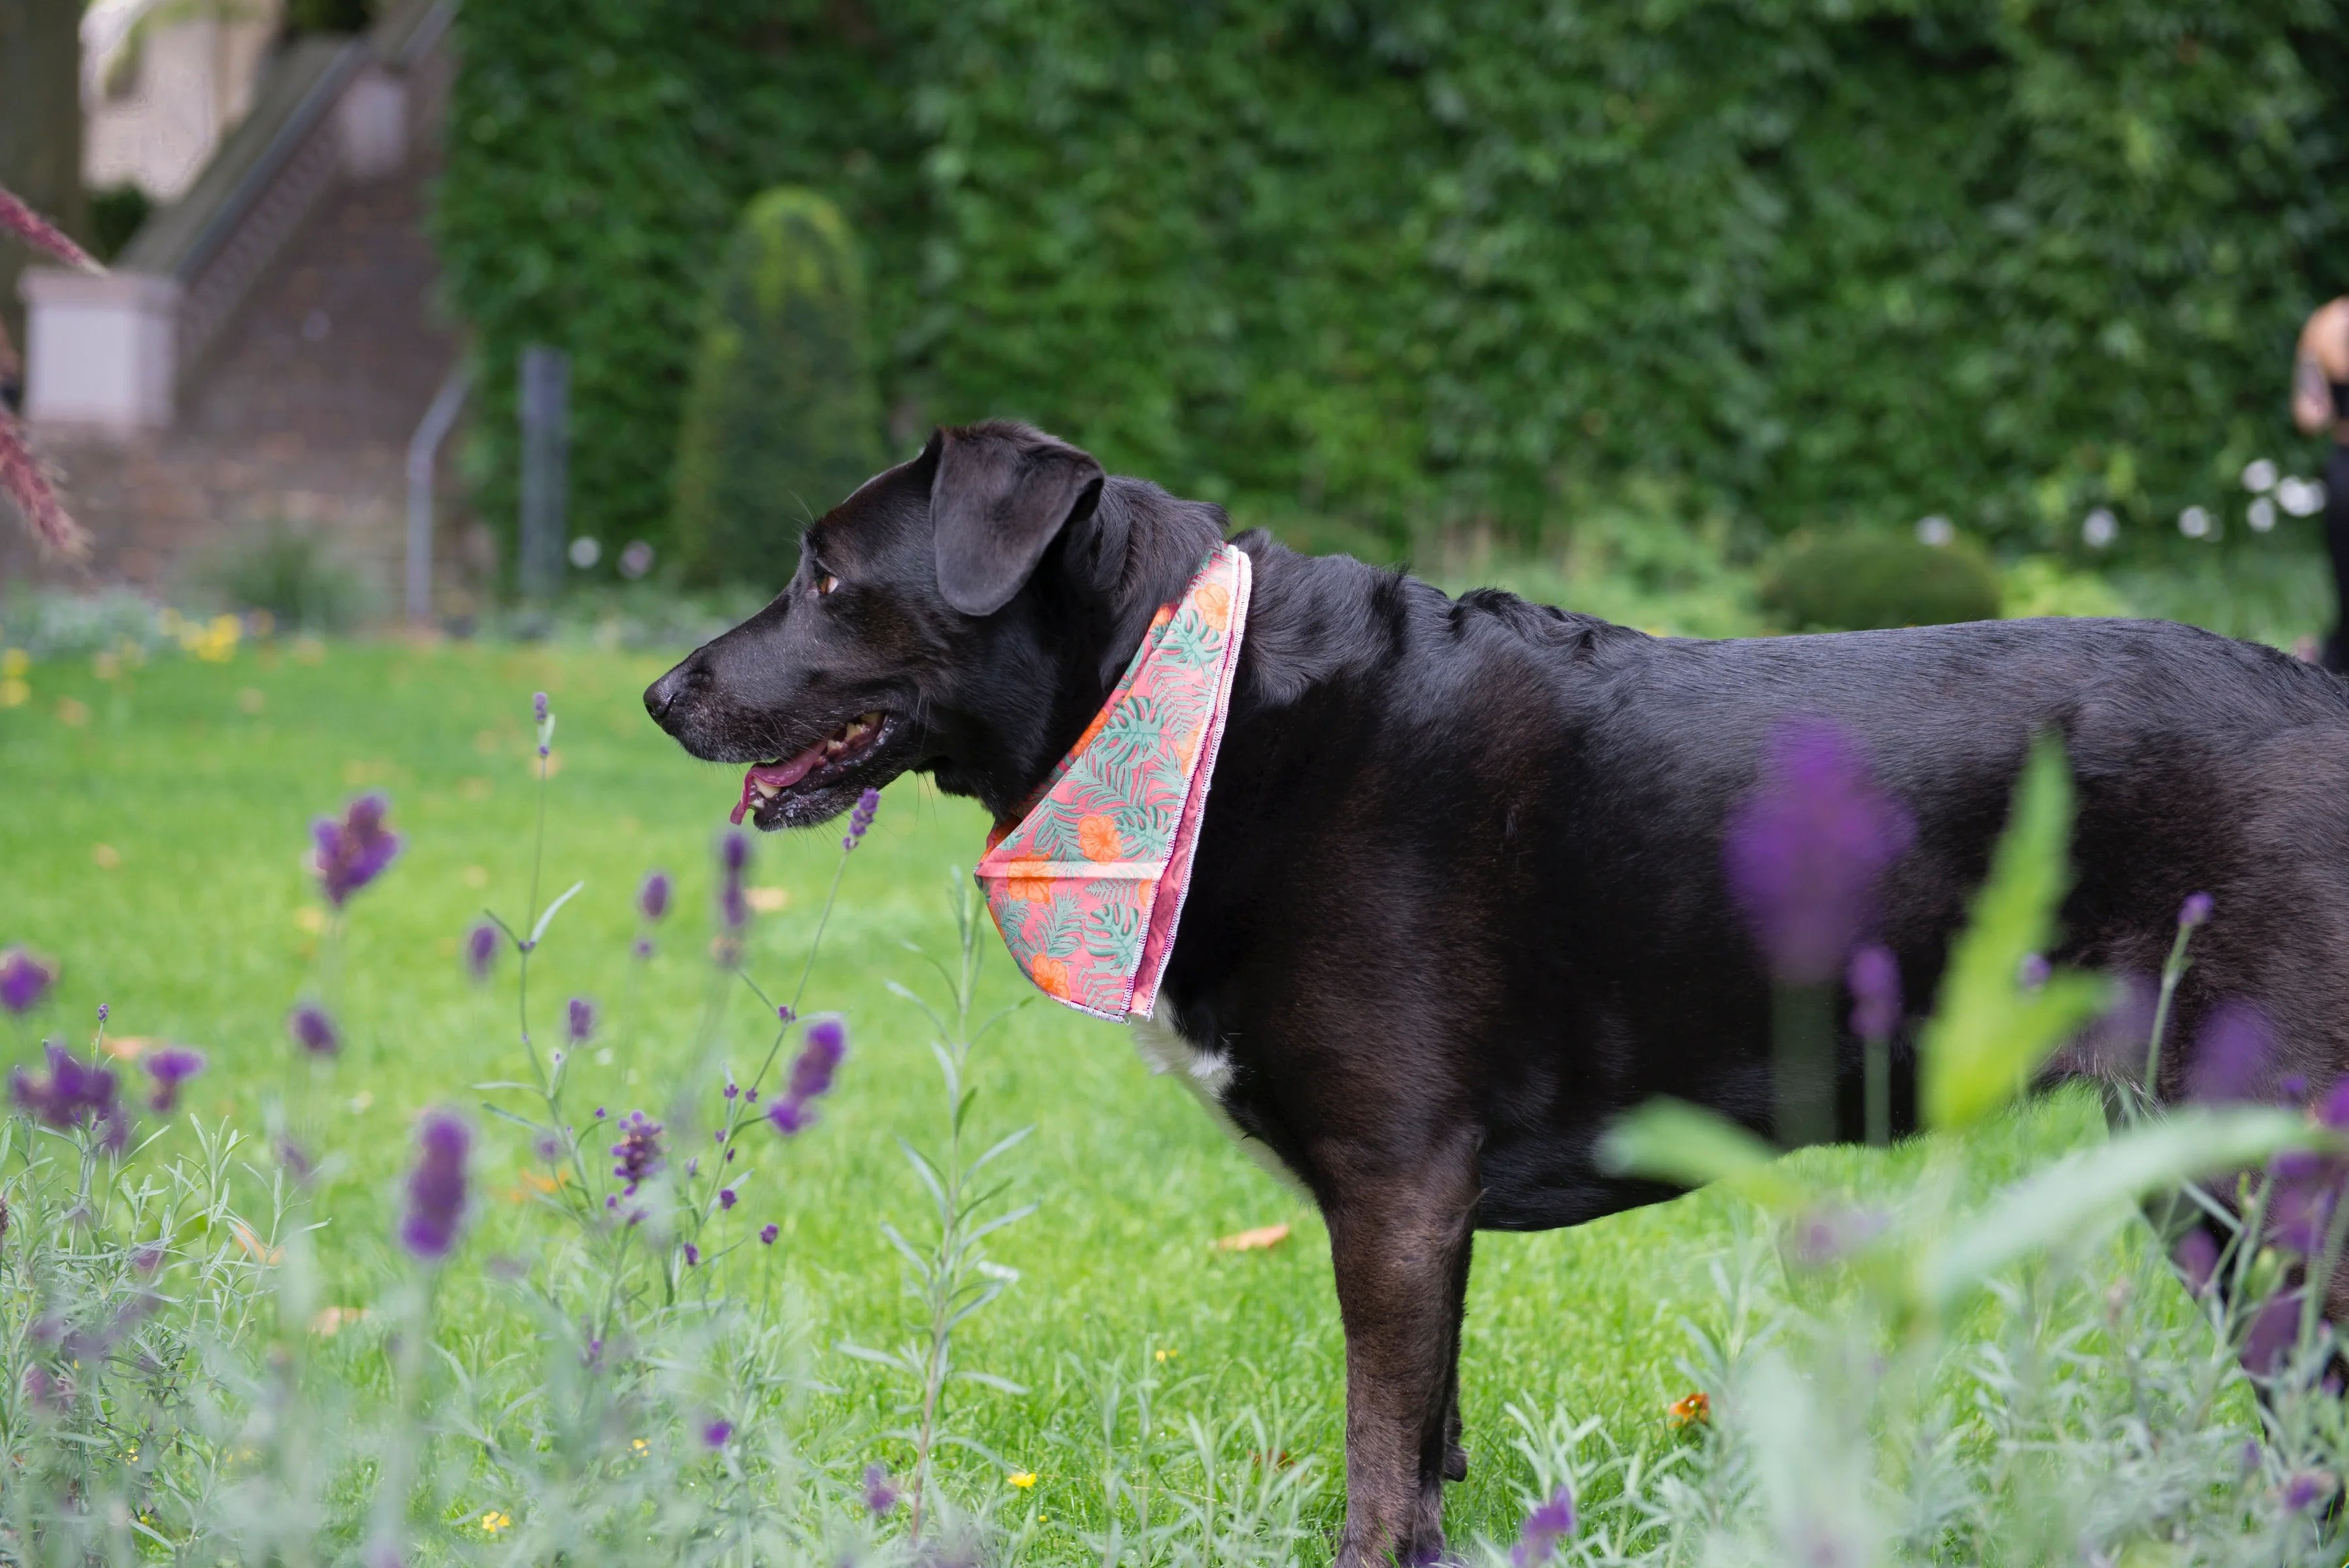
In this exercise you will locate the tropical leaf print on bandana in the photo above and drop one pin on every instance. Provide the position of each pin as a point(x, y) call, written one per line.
point(1087, 886)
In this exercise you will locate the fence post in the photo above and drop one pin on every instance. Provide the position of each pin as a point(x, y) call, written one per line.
point(422, 448)
point(545, 464)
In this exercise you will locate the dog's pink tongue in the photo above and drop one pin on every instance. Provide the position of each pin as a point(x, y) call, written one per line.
point(780, 775)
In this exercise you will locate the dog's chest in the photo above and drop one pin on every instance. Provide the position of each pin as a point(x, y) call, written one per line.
point(1206, 1069)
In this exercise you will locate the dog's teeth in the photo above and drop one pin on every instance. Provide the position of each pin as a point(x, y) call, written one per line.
point(766, 791)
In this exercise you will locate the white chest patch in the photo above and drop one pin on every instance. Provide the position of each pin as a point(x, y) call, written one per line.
point(1207, 1072)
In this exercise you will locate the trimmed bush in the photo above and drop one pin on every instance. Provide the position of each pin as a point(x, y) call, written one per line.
point(1856, 582)
point(782, 420)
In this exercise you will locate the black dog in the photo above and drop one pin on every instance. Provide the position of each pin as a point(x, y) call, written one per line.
point(1458, 899)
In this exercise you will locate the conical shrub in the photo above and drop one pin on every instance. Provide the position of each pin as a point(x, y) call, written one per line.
point(783, 419)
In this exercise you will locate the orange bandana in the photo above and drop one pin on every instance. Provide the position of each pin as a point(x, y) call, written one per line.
point(1088, 884)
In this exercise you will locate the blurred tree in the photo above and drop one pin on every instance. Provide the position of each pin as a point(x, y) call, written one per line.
point(781, 420)
point(40, 128)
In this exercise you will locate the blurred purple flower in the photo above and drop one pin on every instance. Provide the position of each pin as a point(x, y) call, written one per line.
point(1804, 850)
point(24, 980)
point(2033, 971)
point(733, 854)
point(652, 897)
point(2275, 1329)
point(2194, 911)
point(538, 707)
point(766, 1235)
point(436, 1187)
point(481, 950)
point(1831, 1232)
point(2335, 1110)
point(581, 1022)
point(880, 1495)
point(639, 1151)
point(821, 1051)
point(2231, 1053)
point(101, 1012)
point(1874, 980)
point(641, 949)
point(715, 1433)
point(791, 1115)
point(1546, 1526)
point(2306, 1489)
point(726, 1199)
point(2293, 1086)
point(354, 851)
point(73, 1094)
point(692, 1256)
point(2197, 1257)
point(313, 1030)
point(169, 1068)
point(544, 719)
point(868, 806)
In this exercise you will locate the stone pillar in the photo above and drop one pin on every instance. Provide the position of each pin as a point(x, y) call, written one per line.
point(100, 352)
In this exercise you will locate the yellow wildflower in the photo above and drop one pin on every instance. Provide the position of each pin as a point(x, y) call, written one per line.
point(494, 1521)
point(1023, 1479)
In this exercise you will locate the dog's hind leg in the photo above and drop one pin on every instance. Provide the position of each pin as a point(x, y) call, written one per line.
point(1400, 1240)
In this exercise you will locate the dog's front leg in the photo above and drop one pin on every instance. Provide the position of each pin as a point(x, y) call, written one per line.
point(1400, 1232)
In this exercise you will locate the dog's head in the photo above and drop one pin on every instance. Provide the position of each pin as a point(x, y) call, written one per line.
point(962, 614)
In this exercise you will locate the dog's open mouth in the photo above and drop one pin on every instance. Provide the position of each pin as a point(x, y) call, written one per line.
point(769, 787)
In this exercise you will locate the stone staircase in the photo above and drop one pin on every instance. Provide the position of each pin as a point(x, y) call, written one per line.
point(297, 413)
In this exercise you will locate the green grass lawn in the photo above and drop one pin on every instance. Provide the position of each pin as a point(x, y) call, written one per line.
point(153, 838)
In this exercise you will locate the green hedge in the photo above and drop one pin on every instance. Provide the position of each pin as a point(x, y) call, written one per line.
point(1369, 268)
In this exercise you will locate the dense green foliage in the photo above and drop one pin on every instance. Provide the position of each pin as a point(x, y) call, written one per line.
point(1855, 580)
point(1388, 266)
point(781, 419)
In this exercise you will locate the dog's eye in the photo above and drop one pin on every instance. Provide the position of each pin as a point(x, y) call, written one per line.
point(825, 583)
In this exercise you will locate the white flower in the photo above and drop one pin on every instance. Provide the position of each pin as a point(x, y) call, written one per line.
point(2100, 529)
point(2261, 515)
point(2259, 475)
point(2194, 522)
point(1936, 530)
point(585, 551)
point(2299, 497)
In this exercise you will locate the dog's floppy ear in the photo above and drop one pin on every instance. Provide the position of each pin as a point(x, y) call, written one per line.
point(1000, 494)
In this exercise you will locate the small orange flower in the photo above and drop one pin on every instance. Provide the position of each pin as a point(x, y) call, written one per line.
point(1051, 974)
point(1188, 745)
point(1097, 837)
point(1214, 602)
point(1035, 890)
point(1689, 1410)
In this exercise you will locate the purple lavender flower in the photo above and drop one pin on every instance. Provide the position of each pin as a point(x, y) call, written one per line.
point(820, 1050)
point(2335, 1110)
point(169, 1068)
point(880, 1493)
point(1546, 1526)
point(101, 1012)
point(24, 980)
point(73, 1094)
point(733, 855)
point(1873, 979)
point(641, 950)
point(2275, 1328)
point(791, 1115)
point(581, 1022)
point(481, 950)
point(2194, 911)
point(1804, 852)
point(715, 1433)
point(2197, 1257)
point(2231, 1051)
point(768, 1233)
point(313, 1030)
point(692, 1257)
point(638, 1150)
point(785, 1016)
point(725, 1198)
point(436, 1187)
point(2306, 1489)
point(868, 805)
point(2033, 972)
point(538, 707)
point(354, 851)
point(544, 719)
point(652, 897)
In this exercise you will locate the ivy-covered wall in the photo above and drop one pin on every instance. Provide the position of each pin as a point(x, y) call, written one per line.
point(1369, 268)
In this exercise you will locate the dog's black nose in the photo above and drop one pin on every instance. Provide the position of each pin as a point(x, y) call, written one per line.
point(661, 697)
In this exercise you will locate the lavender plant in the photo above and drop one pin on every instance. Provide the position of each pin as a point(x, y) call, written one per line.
point(952, 1278)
